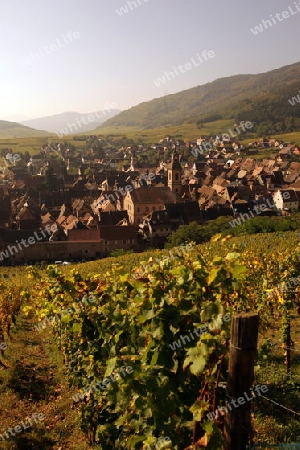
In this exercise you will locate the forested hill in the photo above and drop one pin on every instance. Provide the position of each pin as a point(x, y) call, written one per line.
point(262, 99)
point(11, 130)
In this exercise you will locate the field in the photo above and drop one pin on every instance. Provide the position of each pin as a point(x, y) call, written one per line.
point(185, 132)
point(39, 365)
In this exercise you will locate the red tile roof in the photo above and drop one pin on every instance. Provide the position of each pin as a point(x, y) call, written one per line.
point(159, 195)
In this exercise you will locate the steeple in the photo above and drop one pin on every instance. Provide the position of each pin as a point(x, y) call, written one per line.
point(133, 160)
point(175, 174)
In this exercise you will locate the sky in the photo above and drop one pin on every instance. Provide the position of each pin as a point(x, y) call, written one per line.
point(86, 55)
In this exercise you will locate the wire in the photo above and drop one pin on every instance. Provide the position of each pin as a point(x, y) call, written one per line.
point(278, 404)
point(286, 348)
point(291, 446)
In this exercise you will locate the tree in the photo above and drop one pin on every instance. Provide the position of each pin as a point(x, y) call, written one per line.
point(199, 233)
point(50, 180)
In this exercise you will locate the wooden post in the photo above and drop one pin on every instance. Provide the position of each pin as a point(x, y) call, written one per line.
point(287, 340)
point(243, 348)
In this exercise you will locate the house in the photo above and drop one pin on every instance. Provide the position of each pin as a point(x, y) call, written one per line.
point(183, 213)
point(292, 173)
point(100, 242)
point(6, 213)
point(155, 225)
point(285, 153)
point(28, 215)
point(118, 237)
point(140, 202)
point(109, 218)
point(286, 199)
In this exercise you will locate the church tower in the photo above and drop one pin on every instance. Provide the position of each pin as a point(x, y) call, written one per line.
point(174, 174)
point(133, 160)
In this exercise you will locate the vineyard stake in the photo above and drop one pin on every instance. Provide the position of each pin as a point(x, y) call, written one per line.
point(243, 349)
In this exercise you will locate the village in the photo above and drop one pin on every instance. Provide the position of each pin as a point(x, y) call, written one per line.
point(109, 198)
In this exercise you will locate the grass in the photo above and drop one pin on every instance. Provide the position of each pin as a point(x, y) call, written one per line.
point(185, 131)
point(272, 423)
point(34, 382)
point(32, 144)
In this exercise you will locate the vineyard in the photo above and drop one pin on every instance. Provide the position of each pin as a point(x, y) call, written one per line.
point(10, 305)
point(145, 339)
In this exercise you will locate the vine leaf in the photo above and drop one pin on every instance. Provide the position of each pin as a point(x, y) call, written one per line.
point(196, 357)
point(199, 408)
point(76, 327)
point(110, 366)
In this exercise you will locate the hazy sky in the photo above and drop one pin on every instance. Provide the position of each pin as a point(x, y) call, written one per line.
point(115, 58)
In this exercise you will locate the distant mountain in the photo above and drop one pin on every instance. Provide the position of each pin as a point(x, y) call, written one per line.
point(262, 99)
point(12, 130)
point(71, 122)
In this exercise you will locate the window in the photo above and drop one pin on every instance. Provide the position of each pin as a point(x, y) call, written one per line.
point(116, 241)
point(124, 241)
point(153, 208)
point(170, 176)
point(176, 176)
point(147, 208)
point(138, 210)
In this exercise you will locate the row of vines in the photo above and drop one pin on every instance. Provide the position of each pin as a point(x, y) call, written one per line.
point(115, 320)
point(10, 305)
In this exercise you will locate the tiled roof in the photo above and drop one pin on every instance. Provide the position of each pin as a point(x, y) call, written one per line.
point(292, 195)
point(112, 217)
point(150, 194)
point(68, 223)
point(84, 235)
point(117, 232)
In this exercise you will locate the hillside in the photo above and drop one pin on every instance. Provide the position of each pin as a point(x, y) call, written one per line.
point(261, 99)
point(60, 122)
point(12, 130)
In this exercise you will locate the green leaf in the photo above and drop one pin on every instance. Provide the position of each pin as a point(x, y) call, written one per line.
point(124, 278)
point(197, 358)
point(135, 440)
point(232, 256)
point(199, 409)
point(154, 358)
point(146, 315)
point(158, 333)
point(213, 275)
point(76, 328)
point(111, 364)
point(66, 318)
point(238, 270)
